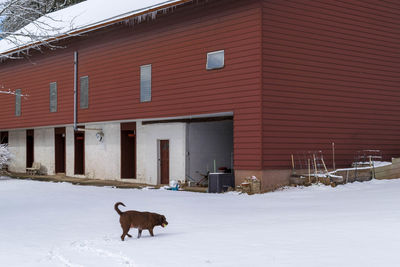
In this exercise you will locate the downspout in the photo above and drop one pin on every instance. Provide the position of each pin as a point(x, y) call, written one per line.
point(75, 89)
point(76, 97)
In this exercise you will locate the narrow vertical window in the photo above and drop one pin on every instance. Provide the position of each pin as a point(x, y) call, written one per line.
point(53, 97)
point(84, 96)
point(145, 83)
point(18, 102)
point(215, 60)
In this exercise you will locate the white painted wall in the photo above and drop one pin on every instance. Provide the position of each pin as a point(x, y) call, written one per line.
point(204, 142)
point(17, 146)
point(103, 159)
point(208, 141)
point(69, 151)
point(147, 150)
point(44, 151)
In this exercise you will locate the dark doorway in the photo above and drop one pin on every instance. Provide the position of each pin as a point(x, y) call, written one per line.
point(59, 144)
point(164, 161)
point(128, 150)
point(29, 148)
point(4, 141)
point(79, 152)
point(3, 137)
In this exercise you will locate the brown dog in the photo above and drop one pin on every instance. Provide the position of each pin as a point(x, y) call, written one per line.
point(140, 220)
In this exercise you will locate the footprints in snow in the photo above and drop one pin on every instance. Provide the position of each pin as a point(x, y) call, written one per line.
point(88, 249)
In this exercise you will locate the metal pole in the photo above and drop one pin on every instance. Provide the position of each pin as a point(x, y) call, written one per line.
point(293, 170)
point(315, 169)
point(333, 156)
point(75, 89)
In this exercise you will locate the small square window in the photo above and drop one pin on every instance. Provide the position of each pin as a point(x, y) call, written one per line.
point(215, 60)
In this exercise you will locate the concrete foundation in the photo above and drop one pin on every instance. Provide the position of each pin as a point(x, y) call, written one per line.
point(192, 146)
point(148, 137)
point(103, 159)
point(17, 147)
point(69, 151)
point(44, 149)
point(270, 179)
point(390, 171)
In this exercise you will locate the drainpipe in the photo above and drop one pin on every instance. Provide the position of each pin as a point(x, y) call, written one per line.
point(75, 89)
point(76, 97)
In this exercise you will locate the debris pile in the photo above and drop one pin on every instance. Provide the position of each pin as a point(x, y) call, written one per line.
point(250, 185)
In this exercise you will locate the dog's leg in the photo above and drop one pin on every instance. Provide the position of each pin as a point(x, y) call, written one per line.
point(129, 235)
point(151, 231)
point(125, 230)
point(139, 233)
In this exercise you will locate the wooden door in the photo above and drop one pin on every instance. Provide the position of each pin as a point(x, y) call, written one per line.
point(59, 143)
point(29, 148)
point(164, 161)
point(128, 150)
point(79, 152)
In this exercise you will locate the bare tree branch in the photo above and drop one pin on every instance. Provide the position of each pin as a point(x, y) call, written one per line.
point(11, 92)
point(26, 25)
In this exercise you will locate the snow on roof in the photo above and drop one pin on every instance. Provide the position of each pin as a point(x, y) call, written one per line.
point(82, 17)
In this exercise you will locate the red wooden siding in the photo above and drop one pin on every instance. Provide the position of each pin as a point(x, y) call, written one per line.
point(331, 73)
point(34, 78)
point(176, 46)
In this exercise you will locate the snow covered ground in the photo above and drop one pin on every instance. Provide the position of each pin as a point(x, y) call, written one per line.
point(59, 224)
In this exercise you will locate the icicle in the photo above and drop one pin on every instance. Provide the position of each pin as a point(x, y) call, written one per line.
point(152, 15)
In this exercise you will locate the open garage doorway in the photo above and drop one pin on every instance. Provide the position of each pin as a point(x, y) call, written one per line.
point(209, 147)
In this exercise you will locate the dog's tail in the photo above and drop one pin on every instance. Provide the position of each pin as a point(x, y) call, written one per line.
point(116, 207)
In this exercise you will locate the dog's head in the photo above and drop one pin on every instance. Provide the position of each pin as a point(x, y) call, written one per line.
point(162, 221)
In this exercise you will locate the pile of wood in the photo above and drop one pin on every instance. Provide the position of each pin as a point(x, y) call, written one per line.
point(250, 185)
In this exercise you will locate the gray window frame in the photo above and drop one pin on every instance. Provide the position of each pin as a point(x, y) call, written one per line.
point(209, 56)
point(145, 85)
point(83, 96)
point(18, 102)
point(53, 97)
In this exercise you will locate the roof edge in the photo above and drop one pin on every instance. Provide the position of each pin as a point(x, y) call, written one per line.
point(93, 27)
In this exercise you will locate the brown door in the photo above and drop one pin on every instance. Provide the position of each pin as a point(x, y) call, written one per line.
point(29, 148)
point(164, 161)
point(79, 152)
point(128, 150)
point(59, 142)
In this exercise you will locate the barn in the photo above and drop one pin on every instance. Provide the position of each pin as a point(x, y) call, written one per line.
point(155, 90)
